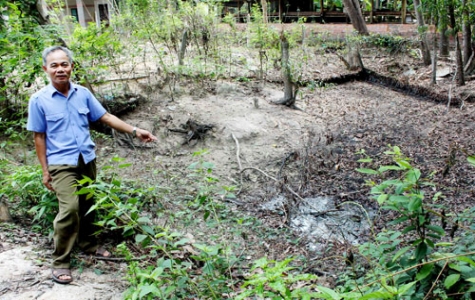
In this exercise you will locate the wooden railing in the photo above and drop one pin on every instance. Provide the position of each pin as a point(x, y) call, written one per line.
point(327, 16)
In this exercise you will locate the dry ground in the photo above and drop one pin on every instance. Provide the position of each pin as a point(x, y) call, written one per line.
point(333, 123)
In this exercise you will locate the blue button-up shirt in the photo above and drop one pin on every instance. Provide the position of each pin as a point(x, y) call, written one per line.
point(65, 122)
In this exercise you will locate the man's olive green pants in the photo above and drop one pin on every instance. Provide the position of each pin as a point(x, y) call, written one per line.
point(72, 224)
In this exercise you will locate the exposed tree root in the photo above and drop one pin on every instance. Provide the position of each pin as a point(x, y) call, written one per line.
point(372, 77)
point(193, 131)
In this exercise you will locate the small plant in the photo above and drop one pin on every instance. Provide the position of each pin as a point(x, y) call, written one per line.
point(24, 188)
point(411, 258)
point(274, 280)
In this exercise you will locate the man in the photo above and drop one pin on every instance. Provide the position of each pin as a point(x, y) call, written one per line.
point(59, 116)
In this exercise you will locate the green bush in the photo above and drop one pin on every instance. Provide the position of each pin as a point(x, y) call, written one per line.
point(23, 187)
point(412, 258)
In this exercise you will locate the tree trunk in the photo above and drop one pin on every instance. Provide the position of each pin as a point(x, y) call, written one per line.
point(289, 94)
point(4, 212)
point(353, 59)
point(443, 32)
point(264, 11)
point(184, 42)
point(443, 41)
point(459, 78)
point(467, 34)
point(424, 44)
point(434, 60)
point(356, 16)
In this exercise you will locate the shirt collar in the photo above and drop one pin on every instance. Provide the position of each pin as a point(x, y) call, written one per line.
point(52, 90)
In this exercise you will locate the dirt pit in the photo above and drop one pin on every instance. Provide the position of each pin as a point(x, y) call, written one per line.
point(262, 148)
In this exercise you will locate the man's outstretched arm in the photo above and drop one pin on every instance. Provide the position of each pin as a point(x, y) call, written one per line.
point(119, 125)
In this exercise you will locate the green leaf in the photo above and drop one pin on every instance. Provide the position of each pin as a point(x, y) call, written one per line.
point(139, 238)
point(364, 160)
point(451, 280)
point(404, 164)
point(436, 196)
point(436, 229)
point(421, 251)
point(382, 198)
point(387, 168)
point(84, 191)
point(328, 293)
point(143, 220)
point(400, 253)
point(471, 160)
point(279, 286)
point(424, 271)
point(471, 279)
point(406, 287)
point(415, 204)
point(429, 242)
point(148, 289)
point(455, 267)
point(400, 199)
point(399, 220)
point(377, 295)
point(408, 228)
point(148, 230)
point(467, 260)
point(367, 171)
point(413, 175)
point(387, 287)
point(444, 244)
point(181, 242)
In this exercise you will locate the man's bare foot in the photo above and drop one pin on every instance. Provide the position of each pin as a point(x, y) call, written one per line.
point(102, 252)
point(62, 275)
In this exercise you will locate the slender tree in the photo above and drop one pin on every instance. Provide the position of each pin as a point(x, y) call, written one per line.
point(435, 21)
point(459, 76)
point(467, 33)
point(289, 92)
point(264, 10)
point(443, 29)
point(356, 16)
point(421, 24)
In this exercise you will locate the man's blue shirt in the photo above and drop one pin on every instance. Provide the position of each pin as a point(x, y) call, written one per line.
point(65, 123)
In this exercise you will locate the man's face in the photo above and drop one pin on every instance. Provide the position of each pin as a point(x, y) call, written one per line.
point(58, 68)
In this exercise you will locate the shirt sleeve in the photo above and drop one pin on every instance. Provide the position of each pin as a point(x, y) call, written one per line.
point(36, 118)
point(96, 110)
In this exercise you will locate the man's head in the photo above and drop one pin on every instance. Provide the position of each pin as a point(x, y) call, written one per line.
point(51, 49)
point(58, 64)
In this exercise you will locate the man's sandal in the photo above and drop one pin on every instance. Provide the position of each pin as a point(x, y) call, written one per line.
point(58, 273)
point(102, 252)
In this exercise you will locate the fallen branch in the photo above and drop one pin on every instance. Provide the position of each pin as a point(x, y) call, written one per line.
point(113, 259)
point(237, 152)
point(275, 179)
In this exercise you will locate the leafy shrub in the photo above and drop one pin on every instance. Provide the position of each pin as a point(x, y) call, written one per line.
point(23, 186)
point(411, 258)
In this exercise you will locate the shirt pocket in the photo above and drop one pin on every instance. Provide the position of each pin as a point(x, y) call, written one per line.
point(56, 122)
point(83, 116)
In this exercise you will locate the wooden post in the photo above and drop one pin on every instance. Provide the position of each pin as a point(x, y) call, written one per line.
point(238, 11)
point(403, 11)
point(371, 12)
point(280, 11)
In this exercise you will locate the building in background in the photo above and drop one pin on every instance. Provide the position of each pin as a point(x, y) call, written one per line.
point(82, 11)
